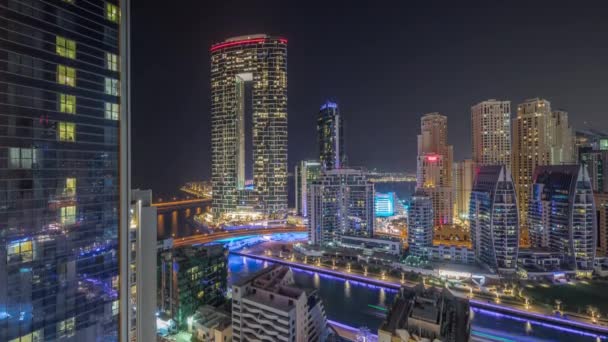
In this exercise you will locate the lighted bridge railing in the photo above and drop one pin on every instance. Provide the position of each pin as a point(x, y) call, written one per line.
point(206, 238)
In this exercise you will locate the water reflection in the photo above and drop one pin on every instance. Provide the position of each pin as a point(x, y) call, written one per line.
point(382, 297)
point(347, 289)
point(316, 280)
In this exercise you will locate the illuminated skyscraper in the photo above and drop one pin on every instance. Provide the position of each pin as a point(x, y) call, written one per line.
point(64, 170)
point(530, 149)
point(463, 177)
point(434, 171)
point(540, 137)
point(562, 214)
point(420, 224)
point(491, 132)
point(494, 218)
point(330, 131)
point(561, 139)
point(249, 121)
point(340, 202)
point(306, 172)
point(142, 267)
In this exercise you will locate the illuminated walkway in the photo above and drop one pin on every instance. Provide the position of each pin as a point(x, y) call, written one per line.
point(556, 322)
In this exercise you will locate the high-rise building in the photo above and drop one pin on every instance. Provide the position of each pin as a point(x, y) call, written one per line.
point(434, 167)
point(330, 132)
point(530, 149)
point(561, 139)
point(494, 218)
point(491, 132)
point(597, 165)
point(191, 277)
point(271, 307)
point(540, 137)
point(306, 172)
point(340, 202)
point(420, 224)
point(384, 204)
point(249, 121)
point(142, 267)
point(601, 206)
point(562, 214)
point(463, 178)
point(64, 170)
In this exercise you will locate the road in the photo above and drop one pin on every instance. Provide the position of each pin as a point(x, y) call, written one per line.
point(206, 238)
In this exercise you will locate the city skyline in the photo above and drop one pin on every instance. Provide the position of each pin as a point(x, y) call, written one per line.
point(398, 84)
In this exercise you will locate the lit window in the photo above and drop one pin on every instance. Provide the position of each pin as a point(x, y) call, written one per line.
point(68, 215)
point(20, 158)
point(66, 75)
point(65, 47)
point(70, 186)
point(112, 13)
point(112, 86)
point(111, 61)
point(115, 308)
point(66, 131)
point(112, 111)
point(67, 103)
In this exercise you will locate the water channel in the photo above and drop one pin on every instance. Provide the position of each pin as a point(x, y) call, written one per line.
point(358, 304)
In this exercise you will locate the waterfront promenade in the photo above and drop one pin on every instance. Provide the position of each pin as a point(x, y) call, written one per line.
point(478, 300)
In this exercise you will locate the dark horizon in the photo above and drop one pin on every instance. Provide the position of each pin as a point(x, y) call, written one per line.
point(384, 65)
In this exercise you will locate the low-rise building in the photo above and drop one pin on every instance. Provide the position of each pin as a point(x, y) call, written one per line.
point(427, 314)
point(268, 306)
point(371, 245)
point(210, 324)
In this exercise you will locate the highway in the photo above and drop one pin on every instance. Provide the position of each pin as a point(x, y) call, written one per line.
point(206, 238)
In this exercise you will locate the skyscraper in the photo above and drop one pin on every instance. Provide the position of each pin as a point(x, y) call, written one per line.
point(434, 167)
point(463, 178)
point(531, 148)
point(64, 170)
point(561, 139)
point(340, 202)
point(420, 224)
point(249, 122)
point(494, 218)
point(142, 267)
point(562, 214)
point(330, 132)
point(306, 172)
point(491, 132)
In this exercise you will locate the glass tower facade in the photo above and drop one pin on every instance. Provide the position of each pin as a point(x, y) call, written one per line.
point(60, 110)
point(340, 202)
point(562, 214)
point(494, 219)
point(330, 131)
point(249, 75)
point(420, 225)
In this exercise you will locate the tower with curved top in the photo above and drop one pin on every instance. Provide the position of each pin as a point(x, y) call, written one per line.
point(249, 124)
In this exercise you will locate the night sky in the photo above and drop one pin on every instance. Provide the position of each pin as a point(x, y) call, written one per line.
point(385, 65)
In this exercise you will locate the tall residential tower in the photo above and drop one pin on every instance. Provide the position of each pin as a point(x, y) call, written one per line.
point(330, 132)
point(434, 170)
point(491, 132)
point(562, 214)
point(64, 170)
point(249, 122)
point(494, 219)
point(540, 137)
